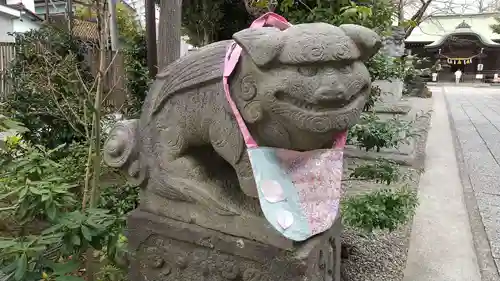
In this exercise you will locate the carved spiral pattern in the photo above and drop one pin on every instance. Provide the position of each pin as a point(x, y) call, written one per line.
point(219, 137)
point(355, 86)
point(252, 112)
point(227, 267)
point(120, 143)
point(308, 52)
point(248, 88)
point(252, 274)
point(135, 173)
point(319, 124)
point(168, 138)
point(343, 49)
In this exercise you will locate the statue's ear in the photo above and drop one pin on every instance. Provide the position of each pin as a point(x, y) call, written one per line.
point(367, 40)
point(262, 44)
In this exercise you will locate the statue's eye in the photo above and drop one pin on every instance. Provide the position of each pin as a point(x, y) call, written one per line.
point(308, 70)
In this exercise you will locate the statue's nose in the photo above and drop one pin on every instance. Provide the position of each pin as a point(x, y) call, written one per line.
point(330, 93)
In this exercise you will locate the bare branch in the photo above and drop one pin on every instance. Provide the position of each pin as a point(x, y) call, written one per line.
point(111, 63)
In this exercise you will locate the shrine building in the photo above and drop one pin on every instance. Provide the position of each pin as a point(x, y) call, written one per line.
point(452, 42)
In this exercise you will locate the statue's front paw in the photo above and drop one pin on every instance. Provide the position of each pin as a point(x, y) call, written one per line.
point(119, 148)
point(120, 151)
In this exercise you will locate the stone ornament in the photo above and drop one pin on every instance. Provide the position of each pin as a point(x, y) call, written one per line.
point(294, 89)
point(394, 44)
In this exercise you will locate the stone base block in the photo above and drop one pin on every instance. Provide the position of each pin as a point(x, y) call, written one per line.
point(163, 249)
point(396, 108)
point(391, 90)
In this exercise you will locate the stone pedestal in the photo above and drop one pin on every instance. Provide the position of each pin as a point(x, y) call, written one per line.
point(390, 91)
point(163, 249)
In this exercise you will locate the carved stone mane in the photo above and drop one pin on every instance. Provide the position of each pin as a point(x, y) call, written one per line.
point(198, 68)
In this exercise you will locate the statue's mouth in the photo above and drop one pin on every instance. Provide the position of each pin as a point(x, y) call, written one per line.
point(320, 106)
point(322, 116)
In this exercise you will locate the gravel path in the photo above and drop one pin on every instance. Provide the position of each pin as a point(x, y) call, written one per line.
point(380, 256)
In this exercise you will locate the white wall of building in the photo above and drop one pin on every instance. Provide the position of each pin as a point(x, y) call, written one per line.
point(13, 20)
point(5, 28)
point(24, 24)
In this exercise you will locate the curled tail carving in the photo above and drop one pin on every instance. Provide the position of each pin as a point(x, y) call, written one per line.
point(120, 151)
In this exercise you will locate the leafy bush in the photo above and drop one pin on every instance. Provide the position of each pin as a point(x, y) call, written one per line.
point(382, 209)
point(381, 171)
point(372, 98)
point(120, 200)
point(49, 87)
point(137, 79)
point(383, 67)
point(32, 179)
point(45, 174)
point(30, 257)
point(37, 186)
point(373, 133)
point(372, 14)
point(9, 125)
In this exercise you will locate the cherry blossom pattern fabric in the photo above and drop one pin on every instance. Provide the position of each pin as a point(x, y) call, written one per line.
point(299, 192)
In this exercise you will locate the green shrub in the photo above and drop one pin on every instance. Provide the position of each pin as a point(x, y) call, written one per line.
point(381, 209)
point(137, 75)
point(50, 81)
point(372, 133)
point(381, 171)
point(9, 125)
point(383, 67)
point(37, 185)
point(372, 98)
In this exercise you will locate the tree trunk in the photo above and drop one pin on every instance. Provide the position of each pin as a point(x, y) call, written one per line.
point(47, 11)
point(151, 38)
point(169, 32)
point(401, 15)
point(102, 28)
point(417, 17)
point(206, 35)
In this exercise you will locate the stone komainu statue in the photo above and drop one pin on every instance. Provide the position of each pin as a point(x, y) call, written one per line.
point(294, 88)
point(394, 44)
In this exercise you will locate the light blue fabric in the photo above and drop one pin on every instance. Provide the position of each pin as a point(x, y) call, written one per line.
point(266, 166)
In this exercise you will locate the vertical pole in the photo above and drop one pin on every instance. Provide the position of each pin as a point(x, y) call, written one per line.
point(47, 18)
point(113, 28)
point(69, 11)
point(169, 32)
point(151, 38)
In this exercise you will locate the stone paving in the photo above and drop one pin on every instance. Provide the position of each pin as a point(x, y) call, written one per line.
point(475, 113)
